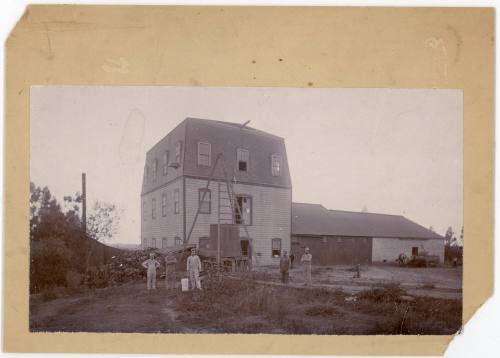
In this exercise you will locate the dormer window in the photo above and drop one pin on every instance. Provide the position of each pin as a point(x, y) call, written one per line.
point(165, 162)
point(242, 156)
point(204, 153)
point(178, 149)
point(155, 169)
point(276, 165)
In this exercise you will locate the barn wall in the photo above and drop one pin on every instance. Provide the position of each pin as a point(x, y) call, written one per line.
point(389, 249)
point(168, 226)
point(271, 217)
point(334, 250)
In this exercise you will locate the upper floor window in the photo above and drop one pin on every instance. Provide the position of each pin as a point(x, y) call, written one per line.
point(165, 162)
point(164, 204)
point(276, 164)
point(163, 242)
point(155, 169)
point(204, 153)
point(153, 244)
point(205, 200)
point(153, 208)
point(146, 173)
point(177, 241)
point(176, 201)
point(144, 210)
point(276, 248)
point(178, 151)
point(243, 210)
point(242, 156)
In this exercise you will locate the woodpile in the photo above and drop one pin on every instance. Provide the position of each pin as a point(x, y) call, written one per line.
point(127, 267)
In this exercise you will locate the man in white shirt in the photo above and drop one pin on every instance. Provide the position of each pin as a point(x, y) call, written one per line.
point(151, 265)
point(193, 269)
point(306, 262)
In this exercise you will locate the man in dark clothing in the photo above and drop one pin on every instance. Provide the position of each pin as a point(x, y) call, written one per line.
point(292, 257)
point(284, 267)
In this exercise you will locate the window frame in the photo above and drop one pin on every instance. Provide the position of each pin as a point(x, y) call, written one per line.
point(153, 208)
point(144, 210)
point(238, 156)
point(178, 152)
point(204, 155)
point(155, 170)
point(164, 204)
point(177, 201)
point(200, 195)
point(153, 242)
point(251, 209)
point(165, 162)
point(204, 239)
point(276, 170)
point(164, 243)
point(177, 241)
point(273, 240)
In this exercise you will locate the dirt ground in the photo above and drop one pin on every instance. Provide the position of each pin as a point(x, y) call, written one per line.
point(438, 282)
point(260, 304)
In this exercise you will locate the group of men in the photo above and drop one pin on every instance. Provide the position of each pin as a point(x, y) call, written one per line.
point(193, 270)
point(286, 263)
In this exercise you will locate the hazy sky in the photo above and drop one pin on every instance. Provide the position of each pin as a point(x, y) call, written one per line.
point(391, 151)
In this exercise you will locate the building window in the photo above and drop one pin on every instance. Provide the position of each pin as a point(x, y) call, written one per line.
point(165, 162)
point(164, 204)
point(243, 216)
point(178, 150)
point(146, 173)
point(205, 200)
point(177, 241)
point(204, 243)
point(242, 158)
point(204, 153)
point(276, 248)
point(414, 251)
point(153, 208)
point(163, 242)
point(176, 201)
point(153, 244)
point(144, 211)
point(155, 169)
point(276, 164)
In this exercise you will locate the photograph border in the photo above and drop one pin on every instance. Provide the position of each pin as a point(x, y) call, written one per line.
point(249, 46)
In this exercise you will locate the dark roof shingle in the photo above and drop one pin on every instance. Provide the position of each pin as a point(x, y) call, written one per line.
point(316, 220)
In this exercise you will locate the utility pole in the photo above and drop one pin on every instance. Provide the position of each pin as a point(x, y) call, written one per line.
point(84, 204)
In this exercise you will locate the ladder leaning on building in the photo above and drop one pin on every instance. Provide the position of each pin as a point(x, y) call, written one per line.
point(228, 208)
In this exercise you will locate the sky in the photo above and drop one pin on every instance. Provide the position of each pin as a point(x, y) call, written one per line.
point(392, 151)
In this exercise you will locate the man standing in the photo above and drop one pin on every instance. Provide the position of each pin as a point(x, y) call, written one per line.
point(151, 265)
point(170, 263)
point(284, 267)
point(193, 269)
point(306, 261)
point(292, 257)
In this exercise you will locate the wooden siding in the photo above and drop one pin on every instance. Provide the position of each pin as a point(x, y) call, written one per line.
point(334, 250)
point(388, 249)
point(271, 217)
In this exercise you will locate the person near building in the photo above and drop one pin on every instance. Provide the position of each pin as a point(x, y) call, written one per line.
point(306, 261)
point(284, 267)
point(151, 265)
point(170, 264)
point(193, 269)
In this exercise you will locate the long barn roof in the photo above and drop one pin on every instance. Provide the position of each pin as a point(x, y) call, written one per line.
point(316, 220)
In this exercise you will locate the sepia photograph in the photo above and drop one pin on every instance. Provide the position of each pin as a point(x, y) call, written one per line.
point(318, 211)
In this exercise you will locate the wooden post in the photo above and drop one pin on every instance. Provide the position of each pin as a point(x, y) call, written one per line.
point(84, 204)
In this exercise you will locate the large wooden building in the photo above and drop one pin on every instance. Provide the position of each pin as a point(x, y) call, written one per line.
point(344, 237)
point(174, 187)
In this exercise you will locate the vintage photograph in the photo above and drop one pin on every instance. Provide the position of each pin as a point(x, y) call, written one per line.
point(333, 211)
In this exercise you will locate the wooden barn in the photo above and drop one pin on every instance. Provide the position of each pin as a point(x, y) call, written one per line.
point(344, 237)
